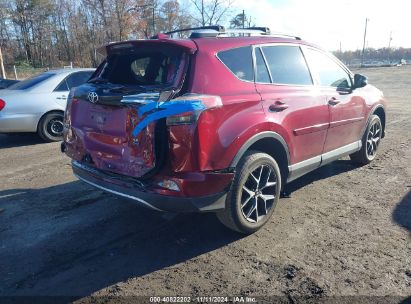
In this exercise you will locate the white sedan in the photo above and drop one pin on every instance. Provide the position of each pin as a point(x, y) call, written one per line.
point(37, 104)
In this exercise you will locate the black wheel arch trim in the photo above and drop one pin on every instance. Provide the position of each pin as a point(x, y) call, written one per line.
point(372, 112)
point(252, 140)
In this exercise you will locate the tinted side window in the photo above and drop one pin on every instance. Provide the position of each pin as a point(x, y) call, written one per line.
point(73, 80)
point(287, 65)
point(330, 73)
point(239, 61)
point(262, 72)
point(76, 79)
point(62, 86)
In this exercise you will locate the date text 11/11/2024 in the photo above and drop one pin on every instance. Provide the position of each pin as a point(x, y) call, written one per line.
point(205, 299)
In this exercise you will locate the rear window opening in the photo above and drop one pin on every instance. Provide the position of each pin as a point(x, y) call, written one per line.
point(143, 68)
point(31, 82)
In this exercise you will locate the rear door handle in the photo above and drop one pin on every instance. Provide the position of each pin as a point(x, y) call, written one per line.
point(333, 101)
point(278, 106)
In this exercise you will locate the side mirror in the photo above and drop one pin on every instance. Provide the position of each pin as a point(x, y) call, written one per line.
point(360, 81)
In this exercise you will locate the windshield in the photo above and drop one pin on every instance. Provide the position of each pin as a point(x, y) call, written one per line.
point(31, 82)
point(143, 68)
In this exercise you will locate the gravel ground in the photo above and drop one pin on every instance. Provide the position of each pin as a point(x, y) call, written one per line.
point(344, 233)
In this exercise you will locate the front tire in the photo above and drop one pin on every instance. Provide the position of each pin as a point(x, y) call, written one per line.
point(370, 142)
point(51, 127)
point(254, 193)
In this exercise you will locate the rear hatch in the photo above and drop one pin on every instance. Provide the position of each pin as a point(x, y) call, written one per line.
point(103, 114)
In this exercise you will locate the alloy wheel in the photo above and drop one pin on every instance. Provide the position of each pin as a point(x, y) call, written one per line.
point(373, 139)
point(258, 193)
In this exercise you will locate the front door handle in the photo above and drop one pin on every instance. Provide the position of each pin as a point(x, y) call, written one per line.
point(278, 106)
point(333, 101)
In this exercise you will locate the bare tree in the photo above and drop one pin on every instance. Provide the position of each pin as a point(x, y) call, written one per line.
point(172, 16)
point(210, 12)
point(46, 33)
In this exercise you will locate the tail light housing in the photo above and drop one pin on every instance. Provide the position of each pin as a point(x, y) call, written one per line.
point(209, 102)
point(2, 104)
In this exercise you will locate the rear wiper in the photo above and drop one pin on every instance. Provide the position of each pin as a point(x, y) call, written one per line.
point(98, 80)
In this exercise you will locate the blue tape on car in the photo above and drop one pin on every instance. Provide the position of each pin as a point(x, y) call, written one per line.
point(165, 109)
point(148, 107)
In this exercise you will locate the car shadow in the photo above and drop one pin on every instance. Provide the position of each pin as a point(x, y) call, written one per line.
point(406, 301)
point(72, 240)
point(335, 168)
point(402, 216)
point(402, 212)
point(19, 140)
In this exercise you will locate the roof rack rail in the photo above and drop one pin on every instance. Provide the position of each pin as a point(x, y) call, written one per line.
point(267, 31)
point(285, 35)
point(217, 28)
point(221, 31)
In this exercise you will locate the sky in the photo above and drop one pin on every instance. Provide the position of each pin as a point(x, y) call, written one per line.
point(329, 23)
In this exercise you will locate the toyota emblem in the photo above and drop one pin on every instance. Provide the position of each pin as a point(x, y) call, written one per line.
point(92, 97)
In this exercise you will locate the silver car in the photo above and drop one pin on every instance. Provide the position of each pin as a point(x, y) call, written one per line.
point(37, 104)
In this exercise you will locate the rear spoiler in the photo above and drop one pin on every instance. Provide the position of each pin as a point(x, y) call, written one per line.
point(186, 44)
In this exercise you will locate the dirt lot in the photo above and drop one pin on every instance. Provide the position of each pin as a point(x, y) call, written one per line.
point(344, 232)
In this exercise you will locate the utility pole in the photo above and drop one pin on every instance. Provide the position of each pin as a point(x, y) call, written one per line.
point(3, 72)
point(154, 21)
point(365, 36)
point(389, 48)
point(243, 19)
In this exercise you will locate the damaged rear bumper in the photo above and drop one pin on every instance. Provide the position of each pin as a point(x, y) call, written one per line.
point(140, 193)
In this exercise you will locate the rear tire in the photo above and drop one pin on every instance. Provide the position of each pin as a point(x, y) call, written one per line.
point(50, 127)
point(370, 142)
point(254, 193)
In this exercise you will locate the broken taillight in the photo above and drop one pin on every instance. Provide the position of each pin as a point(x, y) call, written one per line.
point(188, 118)
point(2, 104)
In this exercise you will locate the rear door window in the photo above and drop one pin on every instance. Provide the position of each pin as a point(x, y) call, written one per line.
point(239, 61)
point(73, 80)
point(287, 65)
point(78, 78)
point(62, 87)
point(331, 74)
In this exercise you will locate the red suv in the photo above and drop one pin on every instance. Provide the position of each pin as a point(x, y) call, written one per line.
point(219, 121)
